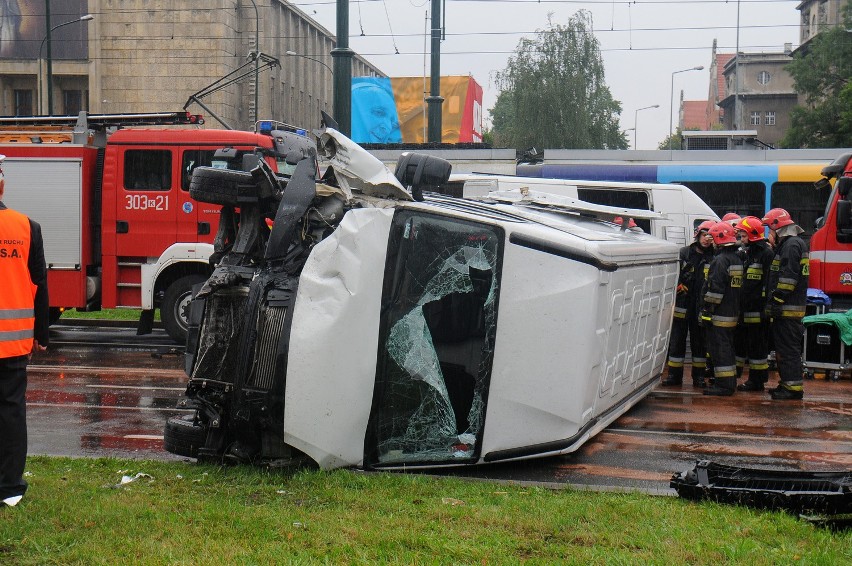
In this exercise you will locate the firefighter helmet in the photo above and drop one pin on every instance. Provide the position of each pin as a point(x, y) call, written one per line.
point(752, 226)
point(704, 226)
point(723, 234)
point(777, 218)
point(731, 218)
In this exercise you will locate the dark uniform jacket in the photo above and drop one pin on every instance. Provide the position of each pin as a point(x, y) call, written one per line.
point(722, 288)
point(693, 259)
point(787, 285)
point(758, 261)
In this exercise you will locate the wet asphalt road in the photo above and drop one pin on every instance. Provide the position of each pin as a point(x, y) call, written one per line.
point(94, 395)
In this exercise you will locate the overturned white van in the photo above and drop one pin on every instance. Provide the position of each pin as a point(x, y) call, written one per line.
point(368, 329)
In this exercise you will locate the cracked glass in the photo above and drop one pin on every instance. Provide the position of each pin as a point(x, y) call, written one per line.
point(436, 339)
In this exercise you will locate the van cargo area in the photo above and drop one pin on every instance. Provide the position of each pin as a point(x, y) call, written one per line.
point(379, 324)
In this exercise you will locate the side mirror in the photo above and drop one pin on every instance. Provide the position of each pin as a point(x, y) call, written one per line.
point(819, 223)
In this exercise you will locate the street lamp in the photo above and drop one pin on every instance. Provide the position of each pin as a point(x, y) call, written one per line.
point(294, 54)
point(86, 18)
point(671, 101)
point(636, 124)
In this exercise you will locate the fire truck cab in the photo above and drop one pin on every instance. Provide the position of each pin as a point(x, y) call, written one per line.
point(831, 244)
point(120, 228)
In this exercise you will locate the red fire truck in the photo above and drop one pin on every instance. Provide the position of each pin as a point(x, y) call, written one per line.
point(111, 193)
point(831, 244)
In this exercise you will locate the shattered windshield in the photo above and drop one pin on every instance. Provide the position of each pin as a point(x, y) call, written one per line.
point(439, 307)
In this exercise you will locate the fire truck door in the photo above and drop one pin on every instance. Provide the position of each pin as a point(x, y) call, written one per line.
point(147, 203)
point(197, 221)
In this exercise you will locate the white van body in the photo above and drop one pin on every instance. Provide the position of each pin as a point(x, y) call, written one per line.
point(683, 209)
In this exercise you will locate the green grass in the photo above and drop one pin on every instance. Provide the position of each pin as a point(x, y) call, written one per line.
point(75, 513)
point(106, 314)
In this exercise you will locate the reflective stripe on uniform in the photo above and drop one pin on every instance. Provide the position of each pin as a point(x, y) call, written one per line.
point(12, 335)
point(711, 297)
point(675, 362)
point(9, 314)
point(758, 364)
point(725, 371)
point(724, 321)
point(751, 317)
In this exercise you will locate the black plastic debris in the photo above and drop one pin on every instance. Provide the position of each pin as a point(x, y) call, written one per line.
point(816, 494)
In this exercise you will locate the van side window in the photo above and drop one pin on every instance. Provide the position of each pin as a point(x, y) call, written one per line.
point(619, 198)
point(148, 170)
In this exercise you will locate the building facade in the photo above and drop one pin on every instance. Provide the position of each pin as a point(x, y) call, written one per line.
point(763, 97)
point(153, 55)
point(817, 16)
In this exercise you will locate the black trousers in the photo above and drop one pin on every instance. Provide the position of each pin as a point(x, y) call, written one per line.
point(787, 334)
point(683, 328)
point(751, 341)
point(720, 343)
point(13, 426)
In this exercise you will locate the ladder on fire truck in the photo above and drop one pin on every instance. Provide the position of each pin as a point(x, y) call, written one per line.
point(84, 127)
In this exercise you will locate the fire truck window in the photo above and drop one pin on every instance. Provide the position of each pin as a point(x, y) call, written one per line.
point(193, 158)
point(803, 201)
point(147, 170)
point(744, 198)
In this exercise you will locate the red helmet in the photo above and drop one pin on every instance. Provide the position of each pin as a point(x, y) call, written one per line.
point(752, 226)
point(705, 226)
point(723, 233)
point(732, 218)
point(777, 218)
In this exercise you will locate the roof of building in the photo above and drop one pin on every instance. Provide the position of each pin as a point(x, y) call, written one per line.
point(721, 60)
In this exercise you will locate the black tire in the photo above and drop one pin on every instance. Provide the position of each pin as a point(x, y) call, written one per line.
point(174, 310)
point(221, 186)
point(183, 436)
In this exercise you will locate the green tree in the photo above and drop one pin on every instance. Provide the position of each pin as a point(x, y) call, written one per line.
point(822, 75)
point(553, 92)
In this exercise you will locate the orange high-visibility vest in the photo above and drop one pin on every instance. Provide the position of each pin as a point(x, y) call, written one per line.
point(17, 291)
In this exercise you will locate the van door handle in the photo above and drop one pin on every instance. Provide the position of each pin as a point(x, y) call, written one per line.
point(203, 228)
point(122, 227)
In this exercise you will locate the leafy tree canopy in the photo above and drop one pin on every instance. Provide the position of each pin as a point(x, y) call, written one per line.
point(553, 92)
point(823, 77)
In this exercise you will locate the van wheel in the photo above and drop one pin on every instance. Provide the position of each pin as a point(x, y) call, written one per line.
point(184, 435)
point(174, 309)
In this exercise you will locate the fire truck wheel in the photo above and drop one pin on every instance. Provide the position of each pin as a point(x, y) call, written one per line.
point(174, 310)
point(184, 435)
point(219, 186)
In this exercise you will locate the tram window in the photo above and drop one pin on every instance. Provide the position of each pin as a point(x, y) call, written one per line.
point(804, 202)
point(746, 199)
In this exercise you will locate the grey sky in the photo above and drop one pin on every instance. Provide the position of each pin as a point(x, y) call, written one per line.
point(642, 42)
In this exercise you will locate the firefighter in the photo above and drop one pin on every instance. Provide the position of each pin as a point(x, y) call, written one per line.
point(752, 334)
point(23, 329)
point(693, 258)
point(786, 297)
point(731, 218)
point(720, 308)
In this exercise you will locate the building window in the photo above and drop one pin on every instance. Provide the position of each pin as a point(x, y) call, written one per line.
point(763, 77)
point(23, 102)
point(770, 118)
point(72, 102)
point(755, 118)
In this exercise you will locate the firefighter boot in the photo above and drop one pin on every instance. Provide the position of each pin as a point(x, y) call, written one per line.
point(674, 377)
point(750, 385)
point(723, 387)
point(785, 392)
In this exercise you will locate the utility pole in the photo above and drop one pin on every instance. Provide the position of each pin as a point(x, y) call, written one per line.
point(435, 100)
point(342, 57)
